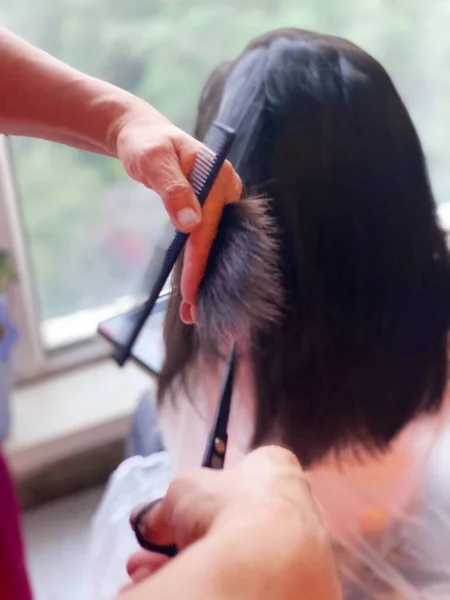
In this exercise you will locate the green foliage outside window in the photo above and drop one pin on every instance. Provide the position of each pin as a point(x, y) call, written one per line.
point(163, 52)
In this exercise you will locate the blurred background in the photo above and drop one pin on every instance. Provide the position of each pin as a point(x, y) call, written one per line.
point(81, 233)
point(88, 228)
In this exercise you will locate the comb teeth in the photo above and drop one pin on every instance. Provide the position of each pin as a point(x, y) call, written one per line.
point(203, 164)
point(209, 160)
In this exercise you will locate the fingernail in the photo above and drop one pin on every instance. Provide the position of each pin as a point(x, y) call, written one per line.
point(140, 574)
point(192, 313)
point(187, 218)
point(138, 514)
point(237, 189)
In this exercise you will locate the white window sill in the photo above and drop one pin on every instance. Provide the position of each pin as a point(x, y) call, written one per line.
point(72, 412)
point(61, 332)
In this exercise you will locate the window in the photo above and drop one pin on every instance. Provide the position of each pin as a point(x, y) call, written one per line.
point(83, 233)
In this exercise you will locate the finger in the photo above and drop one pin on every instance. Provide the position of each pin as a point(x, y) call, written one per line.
point(126, 588)
point(231, 183)
point(186, 313)
point(154, 523)
point(140, 574)
point(142, 564)
point(160, 170)
point(195, 260)
point(273, 455)
point(199, 245)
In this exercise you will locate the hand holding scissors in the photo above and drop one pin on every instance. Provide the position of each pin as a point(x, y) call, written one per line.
point(214, 456)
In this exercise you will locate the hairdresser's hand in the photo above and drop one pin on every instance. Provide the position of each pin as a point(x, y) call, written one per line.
point(42, 97)
point(266, 500)
point(159, 155)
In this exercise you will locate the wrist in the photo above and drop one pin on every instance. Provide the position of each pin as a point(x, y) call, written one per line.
point(128, 110)
point(109, 108)
point(270, 553)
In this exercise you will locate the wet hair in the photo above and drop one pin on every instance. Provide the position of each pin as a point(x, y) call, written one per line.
point(339, 199)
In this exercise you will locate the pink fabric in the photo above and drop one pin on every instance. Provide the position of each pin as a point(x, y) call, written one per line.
point(14, 583)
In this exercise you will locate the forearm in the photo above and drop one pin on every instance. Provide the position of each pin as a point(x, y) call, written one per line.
point(247, 561)
point(42, 97)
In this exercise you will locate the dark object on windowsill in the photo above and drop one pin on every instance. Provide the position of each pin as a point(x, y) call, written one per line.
point(148, 351)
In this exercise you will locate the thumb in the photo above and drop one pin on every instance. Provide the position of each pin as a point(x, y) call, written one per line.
point(159, 169)
point(141, 564)
point(186, 512)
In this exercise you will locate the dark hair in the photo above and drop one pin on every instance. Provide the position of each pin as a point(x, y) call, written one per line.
point(360, 348)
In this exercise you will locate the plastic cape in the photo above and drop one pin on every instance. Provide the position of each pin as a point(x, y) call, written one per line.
point(389, 517)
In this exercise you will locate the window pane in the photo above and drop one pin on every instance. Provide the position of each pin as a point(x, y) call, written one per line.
point(90, 229)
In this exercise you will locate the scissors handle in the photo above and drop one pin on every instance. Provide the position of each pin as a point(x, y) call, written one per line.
point(214, 458)
point(170, 550)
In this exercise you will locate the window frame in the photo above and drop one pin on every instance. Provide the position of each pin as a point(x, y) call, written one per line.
point(31, 360)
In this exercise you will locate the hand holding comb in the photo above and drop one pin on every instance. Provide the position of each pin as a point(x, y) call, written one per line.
point(207, 165)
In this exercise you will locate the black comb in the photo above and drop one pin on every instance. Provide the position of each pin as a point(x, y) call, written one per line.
point(218, 141)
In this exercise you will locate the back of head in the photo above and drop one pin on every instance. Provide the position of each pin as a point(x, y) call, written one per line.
point(339, 194)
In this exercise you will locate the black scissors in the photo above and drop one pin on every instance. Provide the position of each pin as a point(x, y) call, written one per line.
point(218, 141)
point(213, 458)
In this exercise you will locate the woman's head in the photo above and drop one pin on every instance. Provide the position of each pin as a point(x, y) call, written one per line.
point(344, 220)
